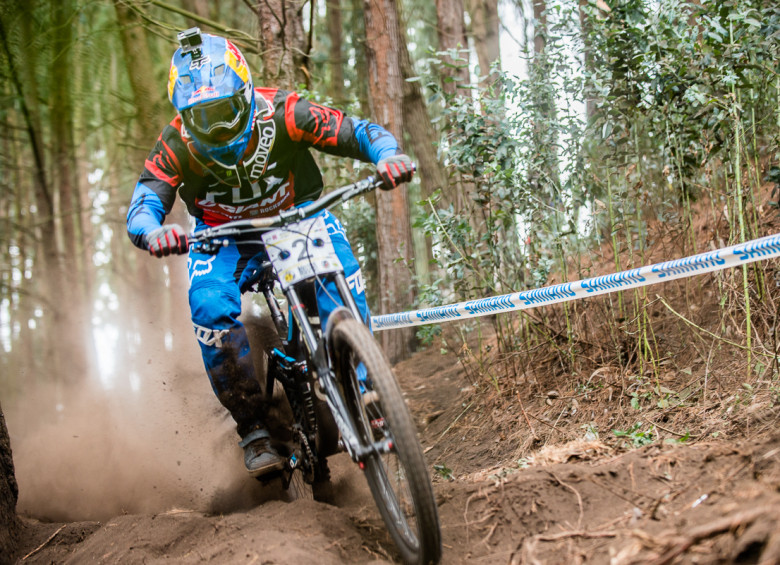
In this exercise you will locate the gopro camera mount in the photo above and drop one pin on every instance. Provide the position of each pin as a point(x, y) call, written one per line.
point(191, 43)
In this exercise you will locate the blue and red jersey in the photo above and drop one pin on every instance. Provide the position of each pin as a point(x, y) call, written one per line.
point(276, 172)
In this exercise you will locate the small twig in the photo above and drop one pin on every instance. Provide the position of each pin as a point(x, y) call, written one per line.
point(528, 547)
point(587, 535)
point(558, 419)
point(455, 421)
point(667, 430)
point(522, 409)
point(466, 513)
point(381, 553)
point(549, 424)
point(486, 539)
point(632, 502)
point(709, 333)
point(40, 547)
point(577, 494)
point(707, 372)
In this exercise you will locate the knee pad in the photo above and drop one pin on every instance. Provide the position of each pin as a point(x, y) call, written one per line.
point(215, 307)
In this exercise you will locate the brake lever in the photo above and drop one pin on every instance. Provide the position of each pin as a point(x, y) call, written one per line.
point(209, 247)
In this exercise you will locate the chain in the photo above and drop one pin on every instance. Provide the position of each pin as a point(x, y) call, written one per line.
point(307, 449)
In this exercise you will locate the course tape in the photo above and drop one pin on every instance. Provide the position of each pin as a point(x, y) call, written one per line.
point(748, 252)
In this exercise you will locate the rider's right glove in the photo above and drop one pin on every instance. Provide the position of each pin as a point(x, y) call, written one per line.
point(394, 170)
point(167, 240)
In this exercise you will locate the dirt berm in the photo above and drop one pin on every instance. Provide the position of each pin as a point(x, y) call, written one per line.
point(579, 498)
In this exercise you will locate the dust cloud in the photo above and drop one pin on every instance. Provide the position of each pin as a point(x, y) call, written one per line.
point(91, 452)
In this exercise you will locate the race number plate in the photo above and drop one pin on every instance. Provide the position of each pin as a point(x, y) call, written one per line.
point(301, 251)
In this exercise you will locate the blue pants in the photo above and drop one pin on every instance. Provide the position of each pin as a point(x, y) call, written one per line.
point(215, 304)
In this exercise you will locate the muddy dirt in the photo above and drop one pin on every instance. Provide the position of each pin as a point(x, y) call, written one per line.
point(507, 491)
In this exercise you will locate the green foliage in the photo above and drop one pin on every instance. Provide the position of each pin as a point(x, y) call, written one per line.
point(636, 436)
point(443, 471)
point(623, 121)
point(685, 438)
point(427, 333)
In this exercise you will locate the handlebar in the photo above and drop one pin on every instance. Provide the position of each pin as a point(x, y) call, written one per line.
point(285, 217)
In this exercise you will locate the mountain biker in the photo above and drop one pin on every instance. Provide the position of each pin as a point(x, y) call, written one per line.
point(236, 151)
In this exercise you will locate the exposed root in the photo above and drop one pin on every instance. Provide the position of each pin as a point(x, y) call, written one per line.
point(44, 544)
point(677, 545)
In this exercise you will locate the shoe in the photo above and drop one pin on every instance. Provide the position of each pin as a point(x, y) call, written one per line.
point(260, 458)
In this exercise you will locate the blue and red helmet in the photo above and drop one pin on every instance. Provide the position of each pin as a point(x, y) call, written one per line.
point(211, 87)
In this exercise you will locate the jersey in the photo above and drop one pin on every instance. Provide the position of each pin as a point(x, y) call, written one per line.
point(276, 172)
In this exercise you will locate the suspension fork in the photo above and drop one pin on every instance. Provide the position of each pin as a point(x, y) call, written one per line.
point(346, 296)
point(276, 314)
point(321, 361)
point(301, 319)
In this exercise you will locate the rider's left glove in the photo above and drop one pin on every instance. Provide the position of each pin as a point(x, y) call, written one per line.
point(167, 240)
point(251, 274)
point(395, 170)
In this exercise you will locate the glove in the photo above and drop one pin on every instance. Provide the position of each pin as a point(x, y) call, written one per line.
point(166, 240)
point(251, 274)
point(395, 170)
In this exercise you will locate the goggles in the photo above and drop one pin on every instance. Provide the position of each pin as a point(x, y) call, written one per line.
point(218, 121)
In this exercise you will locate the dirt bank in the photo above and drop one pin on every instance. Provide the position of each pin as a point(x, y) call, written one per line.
point(586, 499)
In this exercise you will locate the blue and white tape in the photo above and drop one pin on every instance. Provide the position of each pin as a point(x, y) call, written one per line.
point(748, 252)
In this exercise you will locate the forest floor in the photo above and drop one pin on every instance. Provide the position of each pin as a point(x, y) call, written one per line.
point(707, 498)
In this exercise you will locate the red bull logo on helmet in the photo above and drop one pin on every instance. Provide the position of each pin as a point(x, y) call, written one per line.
point(203, 93)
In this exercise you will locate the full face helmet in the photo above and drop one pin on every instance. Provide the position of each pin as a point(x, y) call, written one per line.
point(211, 87)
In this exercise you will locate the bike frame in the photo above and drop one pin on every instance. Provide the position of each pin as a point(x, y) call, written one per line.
point(211, 239)
point(317, 348)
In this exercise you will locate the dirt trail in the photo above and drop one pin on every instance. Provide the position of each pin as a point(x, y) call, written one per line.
point(579, 501)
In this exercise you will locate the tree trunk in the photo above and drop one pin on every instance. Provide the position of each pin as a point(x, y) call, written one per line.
point(147, 91)
point(452, 36)
point(10, 526)
point(484, 29)
point(590, 101)
point(22, 68)
point(149, 97)
point(358, 38)
point(282, 43)
point(420, 131)
point(70, 308)
point(335, 59)
point(200, 8)
point(394, 237)
point(545, 138)
point(418, 125)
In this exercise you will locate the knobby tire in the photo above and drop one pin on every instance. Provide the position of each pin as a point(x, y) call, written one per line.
point(413, 524)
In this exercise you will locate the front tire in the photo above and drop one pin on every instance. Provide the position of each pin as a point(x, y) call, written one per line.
point(397, 477)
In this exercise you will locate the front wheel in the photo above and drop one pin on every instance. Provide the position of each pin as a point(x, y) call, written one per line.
point(395, 466)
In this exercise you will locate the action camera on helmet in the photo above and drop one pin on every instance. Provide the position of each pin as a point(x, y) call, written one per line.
point(191, 42)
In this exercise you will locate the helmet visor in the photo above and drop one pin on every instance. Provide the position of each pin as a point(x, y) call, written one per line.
point(218, 121)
